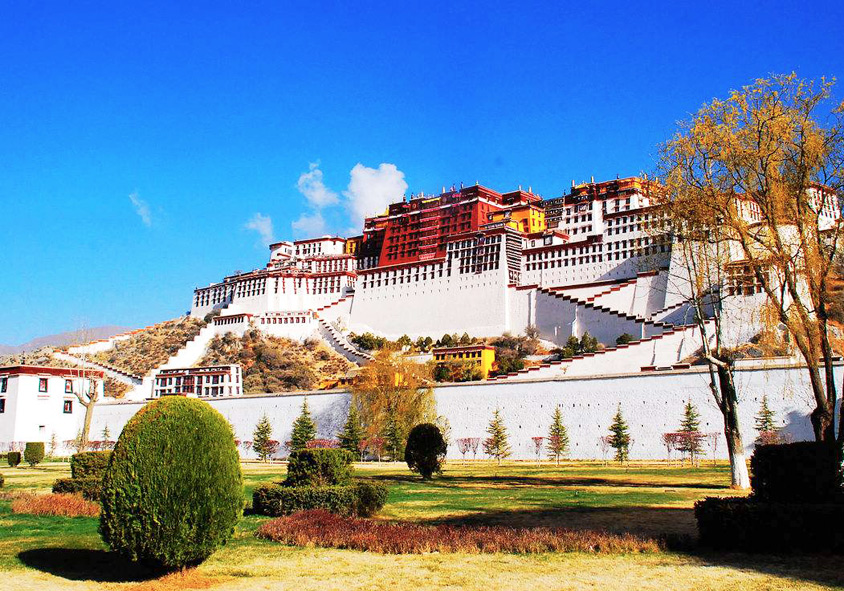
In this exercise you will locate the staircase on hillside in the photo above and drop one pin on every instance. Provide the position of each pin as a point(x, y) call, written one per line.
point(111, 371)
point(339, 343)
point(585, 309)
point(665, 350)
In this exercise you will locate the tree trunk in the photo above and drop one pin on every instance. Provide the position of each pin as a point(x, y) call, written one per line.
point(739, 477)
point(823, 423)
point(86, 427)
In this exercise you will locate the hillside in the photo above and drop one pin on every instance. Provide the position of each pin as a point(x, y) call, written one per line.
point(63, 339)
point(272, 364)
point(42, 356)
point(146, 350)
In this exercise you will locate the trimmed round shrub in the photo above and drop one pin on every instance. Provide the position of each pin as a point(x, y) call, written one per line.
point(425, 450)
point(13, 458)
point(173, 491)
point(89, 464)
point(2, 481)
point(33, 453)
point(363, 499)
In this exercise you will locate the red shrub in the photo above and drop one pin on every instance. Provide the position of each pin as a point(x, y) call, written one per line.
point(323, 529)
point(55, 504)
point(323, 444)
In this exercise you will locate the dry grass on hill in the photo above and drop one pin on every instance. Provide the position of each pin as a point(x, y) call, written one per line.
point(273, 364)
point(42, 356)
point(146, 350)
point(115, 389)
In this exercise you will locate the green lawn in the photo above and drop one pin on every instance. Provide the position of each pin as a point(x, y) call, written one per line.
point(646, 499)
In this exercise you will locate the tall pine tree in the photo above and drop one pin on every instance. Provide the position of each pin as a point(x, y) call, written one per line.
point(558, 438)
point(304, 429)
point(620, 437)
point(496, 445)
point(261, 439)
point(352, 433)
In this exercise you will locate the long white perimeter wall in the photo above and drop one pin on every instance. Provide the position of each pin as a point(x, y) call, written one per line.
point(651, 403)
point(474, 302)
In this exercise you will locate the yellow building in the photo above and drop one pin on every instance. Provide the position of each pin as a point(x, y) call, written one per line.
point(527, 217)
point(352, 245)
point(482, 355)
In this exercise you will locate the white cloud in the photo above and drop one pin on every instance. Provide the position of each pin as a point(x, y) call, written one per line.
point(141, 208)
point(311, 186)
point(263, 225)
point(372, 189)
point(309, 226)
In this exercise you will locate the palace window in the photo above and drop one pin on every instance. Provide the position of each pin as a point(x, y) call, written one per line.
point(742, 280)
point(68, 387)
point(4, 382)
point(68, 407)
point(42, 384)
point(2, 405)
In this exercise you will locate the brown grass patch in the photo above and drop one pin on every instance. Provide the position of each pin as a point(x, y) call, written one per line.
point(55, 504)
point(323, 529)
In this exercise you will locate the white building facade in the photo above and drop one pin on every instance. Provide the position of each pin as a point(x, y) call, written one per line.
point(39, 403)
point(215, 381)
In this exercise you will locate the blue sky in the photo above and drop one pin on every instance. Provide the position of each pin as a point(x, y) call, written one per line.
point(138, 143)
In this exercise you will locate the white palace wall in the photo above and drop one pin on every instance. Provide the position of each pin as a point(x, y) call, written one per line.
point(434, 306)
point(652, 404)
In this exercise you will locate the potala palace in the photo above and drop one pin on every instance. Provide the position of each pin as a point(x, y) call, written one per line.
point(485, 263)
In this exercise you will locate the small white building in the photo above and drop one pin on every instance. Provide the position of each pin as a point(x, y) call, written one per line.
point(37, 403)
point(215, 381)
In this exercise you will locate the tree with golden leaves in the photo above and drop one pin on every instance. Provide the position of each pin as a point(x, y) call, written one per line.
point(393, 393)
point(703, 250)
point(763, 167)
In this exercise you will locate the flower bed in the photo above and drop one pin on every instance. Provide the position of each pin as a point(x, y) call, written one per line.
point(54, 504)
point(323, 529)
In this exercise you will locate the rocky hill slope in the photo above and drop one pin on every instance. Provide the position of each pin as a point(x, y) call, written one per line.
point(272, 364)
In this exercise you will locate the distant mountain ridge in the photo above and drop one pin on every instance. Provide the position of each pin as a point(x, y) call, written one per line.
point(64, 338)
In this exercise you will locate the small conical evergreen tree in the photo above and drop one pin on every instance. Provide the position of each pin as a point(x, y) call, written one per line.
point(304, 429)
point(352, 433)
point(106, 434)
point(261, 438)
point(558, 438)
point(765, 418)
point(691, 419)
point(690, 425)
point(496, 445)
point(620, 436)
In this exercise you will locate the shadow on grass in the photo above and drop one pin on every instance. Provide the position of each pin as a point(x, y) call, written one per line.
point(79, 564)
point(562, 480)
point(674, 527)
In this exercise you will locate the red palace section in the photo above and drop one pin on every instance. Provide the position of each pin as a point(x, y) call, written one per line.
point(420, 229)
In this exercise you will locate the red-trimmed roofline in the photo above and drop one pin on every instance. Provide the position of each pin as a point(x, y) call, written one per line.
point(65, 372)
